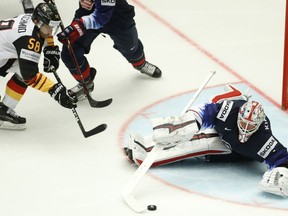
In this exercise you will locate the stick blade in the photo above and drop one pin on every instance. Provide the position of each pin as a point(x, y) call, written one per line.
point(133, 203)
point(127, 192)
point(96, 130)
point(99, 104)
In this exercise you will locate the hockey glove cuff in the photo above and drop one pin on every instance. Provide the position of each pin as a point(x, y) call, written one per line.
point(72, 32)
point(60, 94)
point(51, 58)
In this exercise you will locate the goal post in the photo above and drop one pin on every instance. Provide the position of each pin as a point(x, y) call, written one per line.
point(285, 64)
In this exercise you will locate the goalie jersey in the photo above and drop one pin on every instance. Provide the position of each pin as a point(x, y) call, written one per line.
point(20, 40)
point(261, 146)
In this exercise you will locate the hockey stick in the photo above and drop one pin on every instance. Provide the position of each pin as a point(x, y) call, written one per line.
point(89, 133)
point(127, 192)
point(92, 102)
point(27, 6)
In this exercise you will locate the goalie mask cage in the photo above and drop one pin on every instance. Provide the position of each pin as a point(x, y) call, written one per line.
point(285, 64)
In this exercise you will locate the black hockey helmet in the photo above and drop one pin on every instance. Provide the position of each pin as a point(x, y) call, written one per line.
point(45, 14)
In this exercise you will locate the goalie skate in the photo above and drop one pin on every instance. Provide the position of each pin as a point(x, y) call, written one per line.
point(10, 120)
point(137, 145)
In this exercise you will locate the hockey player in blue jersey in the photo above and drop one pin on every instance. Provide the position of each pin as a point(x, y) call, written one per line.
point(112, 17)
point(227, 127)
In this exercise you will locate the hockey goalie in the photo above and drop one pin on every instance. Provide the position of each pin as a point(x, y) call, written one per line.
point(229, 127)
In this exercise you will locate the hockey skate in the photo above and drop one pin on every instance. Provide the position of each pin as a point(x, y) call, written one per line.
point(10, 120)
point(78, 90)
point(138, 147)
point(128, 149)
point(150, 70)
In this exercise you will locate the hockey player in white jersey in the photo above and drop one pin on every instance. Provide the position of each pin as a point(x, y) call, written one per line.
point(21, 42)
point(229, 127)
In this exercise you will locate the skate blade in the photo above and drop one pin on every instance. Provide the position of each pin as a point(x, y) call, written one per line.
point(4, 125)
point(81, 98)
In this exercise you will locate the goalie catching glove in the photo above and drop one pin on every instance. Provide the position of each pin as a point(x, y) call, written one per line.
point(60, 94)
point(51, 58)
point(172, 129)
point(275, 181)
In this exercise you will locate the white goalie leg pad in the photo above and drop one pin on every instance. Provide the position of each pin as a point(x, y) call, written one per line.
point(275, 181)
point(210, 137)
point(10, 126)
point(201, 144)
point(172, 129)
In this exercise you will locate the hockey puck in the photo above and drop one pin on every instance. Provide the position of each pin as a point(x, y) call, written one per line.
point(151, 207)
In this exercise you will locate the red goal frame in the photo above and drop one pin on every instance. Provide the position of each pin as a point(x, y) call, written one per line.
point(285, 64)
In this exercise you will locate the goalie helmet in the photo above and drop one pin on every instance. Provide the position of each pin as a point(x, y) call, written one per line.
point(46, 14)
point(250, 117)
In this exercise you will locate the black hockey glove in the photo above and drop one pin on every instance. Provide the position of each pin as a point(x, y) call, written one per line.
point(51, 58)
point(60, 94)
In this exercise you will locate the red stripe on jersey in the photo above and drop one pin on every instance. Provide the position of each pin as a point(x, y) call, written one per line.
point(139, 63)
point(16, 87)
point(85, 74)
point(86, 4)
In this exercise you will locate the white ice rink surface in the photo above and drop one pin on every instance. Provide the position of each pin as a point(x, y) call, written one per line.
point(51, 169)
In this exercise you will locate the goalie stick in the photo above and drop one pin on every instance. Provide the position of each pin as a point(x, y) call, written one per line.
point(92, 102)
point(91, 132)
point(129, 188)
